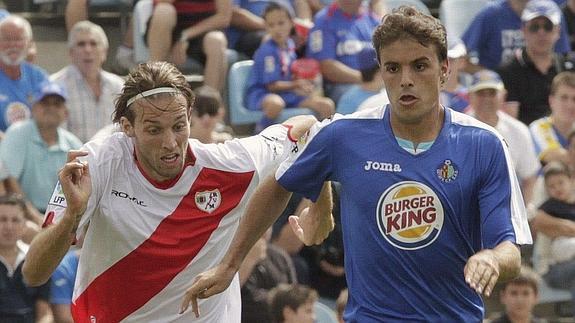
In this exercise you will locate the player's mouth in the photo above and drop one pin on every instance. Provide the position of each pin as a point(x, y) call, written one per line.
point(407, 99)
point(170, 159)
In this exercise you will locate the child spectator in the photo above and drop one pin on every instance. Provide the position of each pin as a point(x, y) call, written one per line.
point(271, 87)
point(519, 296)
point(206, 124)
point(340, 304)
point(292, 304)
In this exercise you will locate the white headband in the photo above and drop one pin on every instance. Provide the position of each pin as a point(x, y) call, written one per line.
point(151, 92)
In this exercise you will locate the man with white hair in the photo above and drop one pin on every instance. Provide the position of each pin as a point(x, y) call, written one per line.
point(91, 90)
point(19, 80)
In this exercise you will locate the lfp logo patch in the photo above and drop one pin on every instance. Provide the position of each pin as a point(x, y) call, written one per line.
point(409, 215)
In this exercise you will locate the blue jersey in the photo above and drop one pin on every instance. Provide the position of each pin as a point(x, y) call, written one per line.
point(411, 222)
point(16, 95)
point(339, 36)
point(271, 64)
point(495, 33)
point(63, 279)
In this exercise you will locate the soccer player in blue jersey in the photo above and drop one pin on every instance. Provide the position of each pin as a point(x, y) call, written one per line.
point(431, 208)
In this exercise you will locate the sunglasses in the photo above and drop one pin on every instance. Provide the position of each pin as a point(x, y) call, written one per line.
point(547, 26)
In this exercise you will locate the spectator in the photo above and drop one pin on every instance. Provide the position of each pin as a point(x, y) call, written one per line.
point(18, 301)
point(179, 28)
point(454, 93)
point(272, 86)
point(62, 287)
point(519, 297)
point(91, 90)
point(550, 133)
point(19, 80)
point(292, 304)
point(207, 115)
point(495, 33)
point(266, 266)
point(371, 83)
point(486, 98)
point(341, 31)
point(528, 75)
point(39, 139)
point(568, 9)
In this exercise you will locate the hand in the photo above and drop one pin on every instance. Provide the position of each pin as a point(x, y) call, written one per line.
point(303, 87)
point(482, 271)
point(206, 284)
point(311, 229)
point(76, 183)
point(179, 53)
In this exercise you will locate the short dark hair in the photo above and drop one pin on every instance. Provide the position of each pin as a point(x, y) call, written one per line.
point(408, 22)
point(273, 6)
point(292, 296)
point(147, 76)
point(555, 167)
point(14, 199)
point(368, 74)
point(526, 277)
point(208, 101)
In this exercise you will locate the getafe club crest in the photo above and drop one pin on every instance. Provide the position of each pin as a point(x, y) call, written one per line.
point(208, 201)
point(447, 172)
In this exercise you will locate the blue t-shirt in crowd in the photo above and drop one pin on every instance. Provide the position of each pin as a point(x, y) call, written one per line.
point(63, 278)
point(352, 98)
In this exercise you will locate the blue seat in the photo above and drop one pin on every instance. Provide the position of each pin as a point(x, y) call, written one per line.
point(237, 86)
point(392, 4)
point(324, 314)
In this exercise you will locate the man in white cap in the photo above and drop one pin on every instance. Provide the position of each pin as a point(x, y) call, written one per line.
point(486, 98)
point(527, 77)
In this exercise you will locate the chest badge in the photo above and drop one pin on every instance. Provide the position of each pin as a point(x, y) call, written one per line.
point(208, 201)
point(447, 172)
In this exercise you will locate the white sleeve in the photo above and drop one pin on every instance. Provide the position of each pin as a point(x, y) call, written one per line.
point(528, 164)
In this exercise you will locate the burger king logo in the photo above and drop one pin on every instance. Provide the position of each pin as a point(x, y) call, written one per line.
point(409, 215)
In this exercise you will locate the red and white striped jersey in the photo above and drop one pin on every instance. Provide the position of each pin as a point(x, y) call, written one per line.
point(147, 241)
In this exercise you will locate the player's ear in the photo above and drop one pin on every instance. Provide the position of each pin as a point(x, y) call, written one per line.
point(127, 127)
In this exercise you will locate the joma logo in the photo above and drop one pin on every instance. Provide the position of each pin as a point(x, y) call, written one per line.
point(380, 166)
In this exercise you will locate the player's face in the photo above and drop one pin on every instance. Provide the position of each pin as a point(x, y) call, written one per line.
point(87, 52)
point(12, 225)
point(559, 187)
point(519, 299)
point(14, 45)
point(304, 314)
point(278, 25)
point(160, 137)
point(562, 104)
point(412, 73)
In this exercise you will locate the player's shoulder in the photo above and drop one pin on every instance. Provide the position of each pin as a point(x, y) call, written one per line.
point(115, 147)
point(471, 128)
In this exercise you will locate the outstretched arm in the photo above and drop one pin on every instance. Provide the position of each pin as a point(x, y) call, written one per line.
point(51, 244)
point(486, 267)
point(314, 223)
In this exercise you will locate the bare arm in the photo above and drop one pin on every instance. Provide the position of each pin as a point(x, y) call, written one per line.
point(313, 224)
point(52, 243)
point(43, 312)
point(220, 20)
point(337, 72)
point(62, 313)
point(553, 227)
point(245, 20)
point(486, 267)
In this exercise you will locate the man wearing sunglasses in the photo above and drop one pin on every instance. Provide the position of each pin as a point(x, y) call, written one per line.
point(527, 77)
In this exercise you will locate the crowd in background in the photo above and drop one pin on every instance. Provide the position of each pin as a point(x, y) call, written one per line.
point(512, 68)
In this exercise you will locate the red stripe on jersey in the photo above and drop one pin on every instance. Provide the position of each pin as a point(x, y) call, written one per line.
point(139, 276)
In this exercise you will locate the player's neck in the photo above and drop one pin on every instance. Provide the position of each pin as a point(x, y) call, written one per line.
point(425, 130)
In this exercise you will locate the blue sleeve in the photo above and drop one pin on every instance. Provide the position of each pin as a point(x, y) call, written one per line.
point(62, 285)
point(306, 170)
point(496, 194)
point(473, 35)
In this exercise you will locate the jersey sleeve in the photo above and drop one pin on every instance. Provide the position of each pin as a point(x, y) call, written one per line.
point(57, 203)
point(502, 210)
point(310, 163)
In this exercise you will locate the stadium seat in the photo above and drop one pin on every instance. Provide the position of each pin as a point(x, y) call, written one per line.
point(456, 15)
point(391, 4)
point(237, 85)
point(324, 314)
